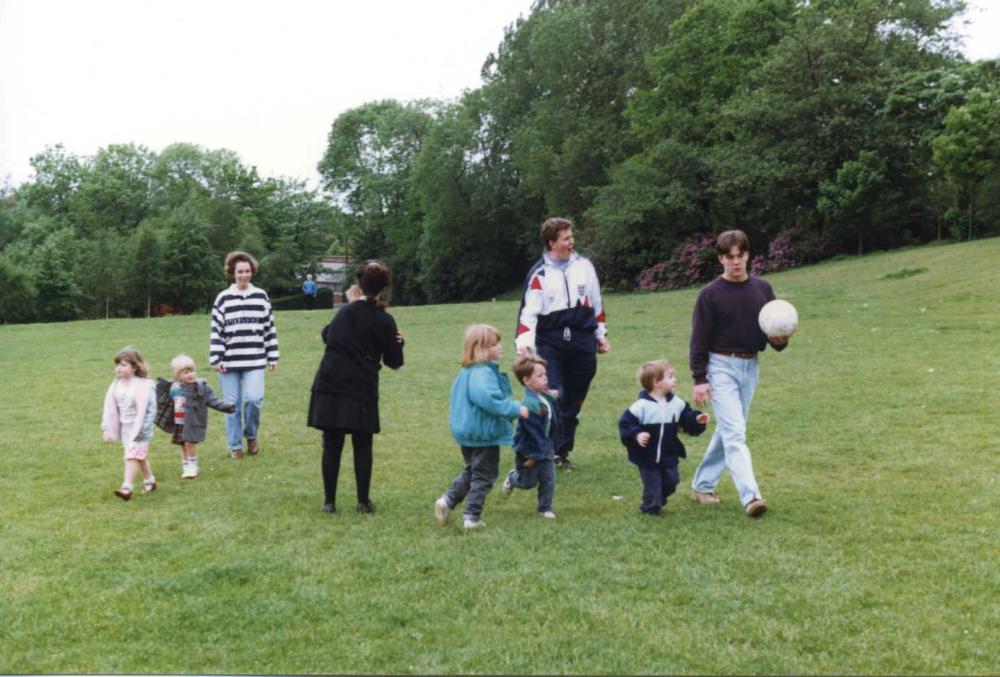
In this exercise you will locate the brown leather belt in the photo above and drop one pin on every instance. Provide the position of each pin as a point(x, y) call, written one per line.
point(742, 356)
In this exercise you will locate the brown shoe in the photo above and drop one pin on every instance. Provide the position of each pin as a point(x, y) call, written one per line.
point(123, 494)
point(756, 507)
point(252, 447)
point(236, 454)
point(704, 497)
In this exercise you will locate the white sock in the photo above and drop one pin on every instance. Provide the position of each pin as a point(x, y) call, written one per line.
point(149, 480)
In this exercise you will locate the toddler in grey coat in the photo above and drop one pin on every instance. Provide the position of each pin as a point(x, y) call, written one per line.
point(183, 410)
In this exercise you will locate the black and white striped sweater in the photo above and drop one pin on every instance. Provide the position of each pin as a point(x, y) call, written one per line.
point(243, 334)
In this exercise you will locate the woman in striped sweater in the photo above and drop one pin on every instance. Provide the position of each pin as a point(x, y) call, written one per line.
point(243, 343)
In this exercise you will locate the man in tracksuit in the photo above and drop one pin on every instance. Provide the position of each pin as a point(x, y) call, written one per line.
point(562, 320)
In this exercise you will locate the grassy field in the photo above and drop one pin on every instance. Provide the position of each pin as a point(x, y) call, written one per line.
point(875, 440)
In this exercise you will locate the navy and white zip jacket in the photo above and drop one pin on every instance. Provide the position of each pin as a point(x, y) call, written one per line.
point(557, 298)
point(660, 420)
point(533, 438)
point(243, 334)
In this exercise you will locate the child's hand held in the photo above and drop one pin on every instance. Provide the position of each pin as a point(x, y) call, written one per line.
point(107, 436)
point(704, 419)
point(642, 439)
point(524, 413)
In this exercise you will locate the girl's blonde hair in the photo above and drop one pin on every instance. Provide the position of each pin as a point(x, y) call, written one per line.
point(651, 372)
point(479, 338)
point(180, 364)
point(132, 356)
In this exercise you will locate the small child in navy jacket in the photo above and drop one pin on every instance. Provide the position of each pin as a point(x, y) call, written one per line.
point(648, 429)
point(534, 451)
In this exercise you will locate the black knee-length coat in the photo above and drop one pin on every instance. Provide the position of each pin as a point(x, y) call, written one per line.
point(359, 339)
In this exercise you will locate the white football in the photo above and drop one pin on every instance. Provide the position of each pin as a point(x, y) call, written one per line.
point(778, 318)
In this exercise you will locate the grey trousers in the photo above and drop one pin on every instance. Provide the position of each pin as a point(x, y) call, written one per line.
point(482, 464)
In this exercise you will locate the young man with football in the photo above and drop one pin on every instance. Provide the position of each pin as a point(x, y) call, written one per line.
point(725, 340)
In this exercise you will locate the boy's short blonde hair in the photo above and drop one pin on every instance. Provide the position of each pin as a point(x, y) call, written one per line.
point(132, 356)
point(181, 364)
point(651, 372)
point(524, 366)
point(479, 338)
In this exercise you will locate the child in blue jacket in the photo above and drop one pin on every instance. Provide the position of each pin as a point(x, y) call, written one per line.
point(648, 429)
point(534, 452)
point(480, 417)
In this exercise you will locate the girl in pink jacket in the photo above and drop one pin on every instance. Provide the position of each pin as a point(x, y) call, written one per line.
point(129, 411)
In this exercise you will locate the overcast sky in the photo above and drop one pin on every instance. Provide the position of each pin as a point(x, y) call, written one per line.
point(263, 78)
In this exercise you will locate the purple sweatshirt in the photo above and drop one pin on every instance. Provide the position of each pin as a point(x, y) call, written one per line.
point(725, 320)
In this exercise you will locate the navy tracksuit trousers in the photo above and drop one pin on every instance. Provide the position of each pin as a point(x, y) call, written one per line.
point(572, 363)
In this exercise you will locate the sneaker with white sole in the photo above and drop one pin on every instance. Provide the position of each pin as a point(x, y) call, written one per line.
point(507, 487)
point(548, 514)
point(189, 472)
point(442, 511)
point(473, 524)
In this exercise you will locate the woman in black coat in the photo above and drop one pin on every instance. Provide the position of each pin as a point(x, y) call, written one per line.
point(344, 395)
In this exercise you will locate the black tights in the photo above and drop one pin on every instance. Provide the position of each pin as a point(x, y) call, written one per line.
point(333, 445)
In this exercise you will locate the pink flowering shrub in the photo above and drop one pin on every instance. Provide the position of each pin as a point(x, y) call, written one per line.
point(693, 261)
point(791, 248)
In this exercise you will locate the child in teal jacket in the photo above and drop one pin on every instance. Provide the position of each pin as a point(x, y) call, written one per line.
point(480, 417)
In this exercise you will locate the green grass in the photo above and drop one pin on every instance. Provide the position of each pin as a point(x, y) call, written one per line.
point(874, 439)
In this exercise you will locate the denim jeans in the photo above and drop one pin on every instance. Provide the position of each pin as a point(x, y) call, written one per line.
point(245, 389)
point(543, 474)
point(733, 381)
point(475, 481)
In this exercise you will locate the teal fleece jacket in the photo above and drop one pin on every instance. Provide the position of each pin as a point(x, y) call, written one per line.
point(481, 408)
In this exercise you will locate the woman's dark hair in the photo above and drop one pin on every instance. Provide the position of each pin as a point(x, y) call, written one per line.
point(237, 257)
point(373, 278)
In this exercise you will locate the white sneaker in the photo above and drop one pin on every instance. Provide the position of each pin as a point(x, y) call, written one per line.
point(473, 524)
point(186, 465)
point(442, 511)
point(194, 468)
point(507, 487)
point(548, 514)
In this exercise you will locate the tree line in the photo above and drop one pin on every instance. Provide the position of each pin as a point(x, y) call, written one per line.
point(820, 128)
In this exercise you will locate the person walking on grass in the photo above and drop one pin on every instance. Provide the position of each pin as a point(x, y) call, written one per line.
point(534, 453)
point(648, 429)
point(243, 342)
point(129, 411)
point(561, 318)
point(480, 417)
point(183, 411)
point(344, 398)
point(725, 340)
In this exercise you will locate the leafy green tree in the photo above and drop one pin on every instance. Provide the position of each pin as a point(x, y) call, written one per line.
point(367, 167)
point(469, 248)
point(852, 199)
point(17, 302)
point(147, 270)
point(968, 150)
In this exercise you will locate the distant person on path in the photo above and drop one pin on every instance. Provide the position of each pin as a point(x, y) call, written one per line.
point(534, 453)
point(344, 399)
point(480, 417)
point(183, 411)
point(129, 412)
point(243, 342)
point(562, 319)
point(309, 291)
point(648, 429)
point(725, 340)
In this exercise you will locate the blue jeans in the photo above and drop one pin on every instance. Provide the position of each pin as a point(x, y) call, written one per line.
point(733, 382)
point(245, 389)
point(475, 481)
point(543, 474)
